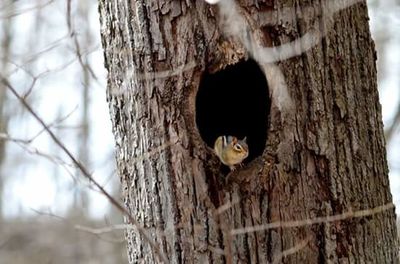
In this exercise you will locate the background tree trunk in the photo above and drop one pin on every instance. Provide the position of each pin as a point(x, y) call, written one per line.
point(325, 157)
point(6, 37)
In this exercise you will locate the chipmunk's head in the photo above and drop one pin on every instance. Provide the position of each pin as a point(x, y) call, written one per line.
point(240, 147)
point(231, 151)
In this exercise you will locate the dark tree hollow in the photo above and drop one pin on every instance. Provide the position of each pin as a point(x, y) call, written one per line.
point(234, 101)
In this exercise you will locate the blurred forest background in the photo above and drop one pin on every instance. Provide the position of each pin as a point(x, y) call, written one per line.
point(51, 53)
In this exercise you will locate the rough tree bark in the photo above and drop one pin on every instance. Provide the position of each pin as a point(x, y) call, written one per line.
point(325, 156)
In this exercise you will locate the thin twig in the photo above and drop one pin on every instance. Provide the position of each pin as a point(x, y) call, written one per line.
point(69, 223)
point(28, 9)
point(106, 229)
point(291, 251)
point(226, 206)
point(313, 221)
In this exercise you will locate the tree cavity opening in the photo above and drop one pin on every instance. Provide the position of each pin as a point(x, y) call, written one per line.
point(234, 101)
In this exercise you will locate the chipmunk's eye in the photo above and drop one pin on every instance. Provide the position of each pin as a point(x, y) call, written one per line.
point(238, 147)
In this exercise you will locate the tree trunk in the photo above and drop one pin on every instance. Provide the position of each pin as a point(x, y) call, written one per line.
point(324, 153)
point(6, 37)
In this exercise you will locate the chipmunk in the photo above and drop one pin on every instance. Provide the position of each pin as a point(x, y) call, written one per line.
point(231, 151)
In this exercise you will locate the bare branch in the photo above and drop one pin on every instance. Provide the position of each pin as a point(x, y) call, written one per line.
point(239, 27)
point(291, 251)
point(140, 76)
point(86, 173)
point(106, 229)
point(22, 11)
point(82, 228)
point(51, 46)
point(69, 18)
point(55, 123)
point(34, 151)
point(85, 66)
point(50, 214)
point(226, 206)
point(392, 129)
point(313, 221)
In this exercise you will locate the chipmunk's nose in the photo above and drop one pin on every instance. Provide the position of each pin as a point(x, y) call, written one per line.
point(234, 101)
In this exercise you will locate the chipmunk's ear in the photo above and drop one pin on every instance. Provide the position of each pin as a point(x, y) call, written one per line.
point(244, 139)
point(234, 140)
